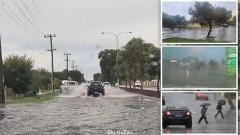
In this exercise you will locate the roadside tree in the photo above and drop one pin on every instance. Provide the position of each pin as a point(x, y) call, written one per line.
point(17, 73)
point(107, 64)
point(206, 12)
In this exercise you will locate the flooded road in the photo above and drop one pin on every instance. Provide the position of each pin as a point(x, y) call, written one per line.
point(76, 113)
point(221, 33)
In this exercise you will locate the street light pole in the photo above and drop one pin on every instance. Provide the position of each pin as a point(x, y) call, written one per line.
point(116, 36)
point(2, 93)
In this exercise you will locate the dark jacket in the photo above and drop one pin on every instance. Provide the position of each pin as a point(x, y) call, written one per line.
point(219, 107)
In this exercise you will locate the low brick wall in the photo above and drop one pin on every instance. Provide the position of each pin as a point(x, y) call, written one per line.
point(150, 93)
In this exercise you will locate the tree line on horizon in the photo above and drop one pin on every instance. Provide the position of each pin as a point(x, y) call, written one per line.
point(21, 77)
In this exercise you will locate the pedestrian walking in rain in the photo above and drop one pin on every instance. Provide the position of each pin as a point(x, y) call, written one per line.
point(219, 108)
point(203, 112)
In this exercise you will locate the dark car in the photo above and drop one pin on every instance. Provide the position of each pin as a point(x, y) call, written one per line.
point(30, 94)
point(177, 115)
point(95, 87)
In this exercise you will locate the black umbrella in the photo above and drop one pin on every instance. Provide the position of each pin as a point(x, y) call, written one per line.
point(205, 104)
point(221, 102)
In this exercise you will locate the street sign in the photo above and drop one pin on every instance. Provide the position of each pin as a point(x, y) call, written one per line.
point(230, 58)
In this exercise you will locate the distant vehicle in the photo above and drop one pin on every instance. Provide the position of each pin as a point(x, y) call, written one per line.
point(163, 100)
point(30, 94)
point(201, 96)
point(67, 86)
point(137, 84)
point(225, 25)
point(95, 87)
point(177, 115)
point(106, 84)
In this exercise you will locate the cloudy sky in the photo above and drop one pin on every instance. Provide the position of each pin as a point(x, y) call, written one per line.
point(77, 25)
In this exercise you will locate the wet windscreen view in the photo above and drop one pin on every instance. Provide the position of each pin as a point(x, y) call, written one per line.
point(199, 67)
point(182, 113)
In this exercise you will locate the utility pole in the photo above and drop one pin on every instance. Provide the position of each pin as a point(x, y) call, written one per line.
point(51, 36)
point(67, 62)
point(73, 65)
point(2, 94)
point(76, 67)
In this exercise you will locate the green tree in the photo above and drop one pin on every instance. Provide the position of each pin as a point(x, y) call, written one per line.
point(173, 21)
point(213, 64)
point(153, 64)
point(61, 75)
point(41, 79)
point(107, 63)
point(179, 20)
point(76, 76)
point(168, 21)
point(222, 15)
point(206, 12)
point(97, 77)
point(17, 73)
point(133, 57)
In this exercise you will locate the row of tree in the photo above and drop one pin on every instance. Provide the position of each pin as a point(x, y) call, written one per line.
point(137, 60)
point(21, 77)
point(169, 21)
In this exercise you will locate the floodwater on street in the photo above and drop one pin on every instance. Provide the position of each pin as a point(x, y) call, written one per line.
point(76, 113)
point(221, 33)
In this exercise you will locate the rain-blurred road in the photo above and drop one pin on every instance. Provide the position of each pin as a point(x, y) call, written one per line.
point(76, 114)
point(189, 78)
point(216, 125)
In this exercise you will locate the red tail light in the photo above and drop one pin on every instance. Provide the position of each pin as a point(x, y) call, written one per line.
point(168, 113)
point(188, 113)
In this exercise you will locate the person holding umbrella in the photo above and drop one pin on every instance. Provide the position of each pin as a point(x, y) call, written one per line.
point(203, 112)
point(219, 107)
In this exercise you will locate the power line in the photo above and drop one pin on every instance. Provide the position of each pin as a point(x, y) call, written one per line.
point(22, 24)
point(35, 57)
point(33, 21)
point(44, 20)
point(33, 17)
point(16, 5)
point(57, 67)
point(35, 5)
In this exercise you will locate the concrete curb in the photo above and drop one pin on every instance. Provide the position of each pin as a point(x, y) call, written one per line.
point(149, 93)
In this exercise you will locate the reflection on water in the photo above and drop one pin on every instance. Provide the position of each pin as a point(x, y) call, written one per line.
point(221, 33)
point(177, 129)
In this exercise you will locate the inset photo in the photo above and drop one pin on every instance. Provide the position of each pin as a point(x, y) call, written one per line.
point(199, 22)
point(199, 112)
point(199, 67)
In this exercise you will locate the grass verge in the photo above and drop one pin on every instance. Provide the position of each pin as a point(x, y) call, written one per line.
point(42, 98)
